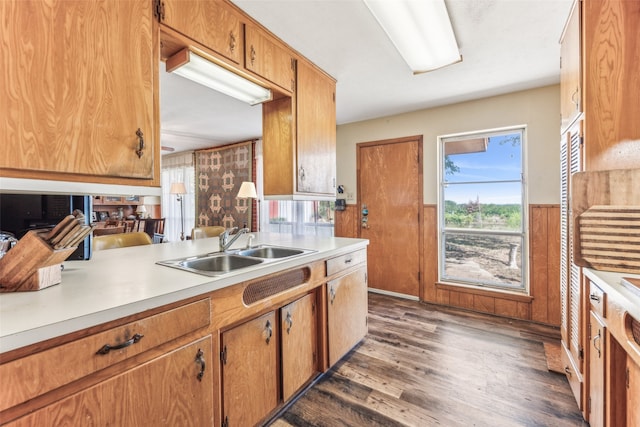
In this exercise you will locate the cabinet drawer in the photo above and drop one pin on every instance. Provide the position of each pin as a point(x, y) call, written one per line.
point(598, 300)
point(337, 264)
point(34, 375)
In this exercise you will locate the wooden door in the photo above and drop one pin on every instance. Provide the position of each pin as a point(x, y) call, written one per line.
point(597, 361)
point(316, 129)
point(390, 186)
point(79, 80)
point(249, 371)
point(299, 344)
point(214, 24)
point(164, 391)
point(346, 312)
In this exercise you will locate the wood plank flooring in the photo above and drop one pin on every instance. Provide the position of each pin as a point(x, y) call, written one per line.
point(425, 365)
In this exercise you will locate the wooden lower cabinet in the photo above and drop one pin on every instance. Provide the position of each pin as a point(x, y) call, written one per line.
point(633, 394)
point(346, 312)
point(251, 352)
point(299, 334)
point(597, 366)
point(249, 376)
point(173, 389)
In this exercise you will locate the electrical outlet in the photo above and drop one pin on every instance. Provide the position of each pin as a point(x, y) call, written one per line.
point(349, 196)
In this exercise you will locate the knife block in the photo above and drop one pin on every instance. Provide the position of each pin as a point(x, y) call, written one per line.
point(32, 264)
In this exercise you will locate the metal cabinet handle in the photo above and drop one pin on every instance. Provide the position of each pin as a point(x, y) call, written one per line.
point(567, 371)
point(201, 362)
point(232, 42)
point(594, 297)
point(108, 347)
point(596, 339)
point(140, 150)
point(332, 293)
point(289, 321)
point(268, 331)
point(253, 55)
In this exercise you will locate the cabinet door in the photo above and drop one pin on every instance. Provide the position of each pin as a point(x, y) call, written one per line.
point(174, 389)
point(597, 361)
point(633, 393)
point(267, 58)
point(316, 129)
point(347, 312)
point(249, 371)
point(213, 24)
point(76, 91)
point(570, 88)
point(299, 344)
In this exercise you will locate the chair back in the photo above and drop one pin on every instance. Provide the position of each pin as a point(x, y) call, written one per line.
point(204, 232)
point(154, 226)
point(121, 240)
point(108, 230)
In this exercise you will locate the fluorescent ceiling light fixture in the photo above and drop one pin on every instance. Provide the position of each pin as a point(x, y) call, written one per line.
point(200, 70)
point(420, 30)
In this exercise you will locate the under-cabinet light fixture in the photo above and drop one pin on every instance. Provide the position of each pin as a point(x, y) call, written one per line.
point(420, 30)
point(194, 67)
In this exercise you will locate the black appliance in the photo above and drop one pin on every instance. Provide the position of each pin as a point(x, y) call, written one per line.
point(20, 213)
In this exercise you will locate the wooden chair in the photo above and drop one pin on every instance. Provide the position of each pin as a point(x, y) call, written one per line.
point(154, 226)
point(108, 230)
point(120, 240)
point(204, 232)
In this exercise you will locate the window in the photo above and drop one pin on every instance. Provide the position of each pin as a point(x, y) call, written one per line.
point(481, 209)
point(300, 217)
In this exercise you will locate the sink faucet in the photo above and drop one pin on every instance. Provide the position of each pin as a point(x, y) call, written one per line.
point(225, 243)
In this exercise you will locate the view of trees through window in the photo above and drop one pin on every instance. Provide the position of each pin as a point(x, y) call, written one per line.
point(481, 209)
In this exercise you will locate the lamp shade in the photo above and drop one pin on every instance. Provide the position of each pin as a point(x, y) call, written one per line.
point(141, 209)
point(247, 191)
point(178, 188)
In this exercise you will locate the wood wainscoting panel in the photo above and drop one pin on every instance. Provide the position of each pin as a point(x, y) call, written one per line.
point(544, 263)
point(346, 222)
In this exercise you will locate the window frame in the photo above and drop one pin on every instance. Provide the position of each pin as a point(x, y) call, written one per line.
point(524, 229)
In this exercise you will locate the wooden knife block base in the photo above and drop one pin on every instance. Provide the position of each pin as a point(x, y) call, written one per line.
point(32, 265)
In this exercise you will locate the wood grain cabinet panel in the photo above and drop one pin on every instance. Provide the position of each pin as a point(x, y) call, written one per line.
point(633, 394)
point(597, 363)
point(249, 373)
point(214, 24)
point(269, 59)
point(299, 344)
point(173, 389)
point(299, 139)
point(346, 312)
point(79, 81)
point(571, 87)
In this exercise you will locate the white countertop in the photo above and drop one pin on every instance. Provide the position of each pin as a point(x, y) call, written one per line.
point(120, 282)
point(611, 281)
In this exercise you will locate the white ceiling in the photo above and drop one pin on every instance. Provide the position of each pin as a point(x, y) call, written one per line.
point(507, 45)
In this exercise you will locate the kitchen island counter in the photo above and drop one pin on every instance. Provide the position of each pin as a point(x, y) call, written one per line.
point(121, 282)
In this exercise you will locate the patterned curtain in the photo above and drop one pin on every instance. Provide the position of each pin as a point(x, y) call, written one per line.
point(219, 174)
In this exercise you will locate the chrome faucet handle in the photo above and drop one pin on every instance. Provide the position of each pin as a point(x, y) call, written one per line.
point(250, 238)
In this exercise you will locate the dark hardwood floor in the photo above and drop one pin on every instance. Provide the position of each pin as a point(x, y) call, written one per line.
point(425, 365)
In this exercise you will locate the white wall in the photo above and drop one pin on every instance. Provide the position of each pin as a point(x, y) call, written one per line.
point(538, 109)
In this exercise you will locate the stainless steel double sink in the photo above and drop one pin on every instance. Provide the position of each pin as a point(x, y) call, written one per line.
point(219, 263)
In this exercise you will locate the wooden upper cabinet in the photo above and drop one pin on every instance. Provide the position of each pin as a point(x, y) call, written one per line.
point(214, 24)
point(316, 128)
point(611, 83)
point(79, 81)
point(299, 139)
point(570, 84)
point(268, 58)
